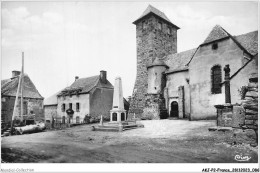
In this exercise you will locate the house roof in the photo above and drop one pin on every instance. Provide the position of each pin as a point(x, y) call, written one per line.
point(84, 85)
point(52, 100)
point(178, 61)
point(9, 87)
point(216, 33)
point(151, 9)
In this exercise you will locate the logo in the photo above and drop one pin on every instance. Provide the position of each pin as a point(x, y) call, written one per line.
point(242, 158)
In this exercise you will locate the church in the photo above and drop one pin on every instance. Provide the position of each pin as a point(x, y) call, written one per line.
point(171, 84)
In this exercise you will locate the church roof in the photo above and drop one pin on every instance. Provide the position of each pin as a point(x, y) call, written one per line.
point(84, 85)
point(157, 62)
point(179, 61)
point(9, 87)
point(216, 33)
point(151, 9)
point(249, 41)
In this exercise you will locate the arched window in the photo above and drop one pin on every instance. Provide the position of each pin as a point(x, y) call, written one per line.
point(216, 79)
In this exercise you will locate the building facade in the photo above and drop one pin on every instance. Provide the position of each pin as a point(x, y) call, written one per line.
point(187, 84)
point(32, 99)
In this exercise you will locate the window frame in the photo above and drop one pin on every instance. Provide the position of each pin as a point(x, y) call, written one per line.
point(216, 75)
point(160, 26)
point(63, 107)
point(77, 107)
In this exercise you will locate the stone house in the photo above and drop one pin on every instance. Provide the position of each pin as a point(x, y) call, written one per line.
point(32, 99)
point(187, 84)
point(85, 98)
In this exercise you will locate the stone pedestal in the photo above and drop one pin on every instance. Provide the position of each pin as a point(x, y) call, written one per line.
point(224, 115)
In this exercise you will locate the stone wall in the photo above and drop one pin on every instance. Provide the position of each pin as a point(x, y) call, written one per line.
point(151, 42)
point(250, 104)
point(33, 105)
point(200, 77)
point(101, 102)
point(50, 112)
point(154, 107)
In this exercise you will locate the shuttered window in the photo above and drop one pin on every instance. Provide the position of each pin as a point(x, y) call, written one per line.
point(216, 79)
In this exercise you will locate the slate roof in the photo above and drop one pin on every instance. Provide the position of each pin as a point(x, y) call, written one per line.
point(84, 85)
point(156, 62)
point(52, 100)
point(249, 41)
point(9, 87)
point(178, 61)
point(216, 33)
point(151, 9)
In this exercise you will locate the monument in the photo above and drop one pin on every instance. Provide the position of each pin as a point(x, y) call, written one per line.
point(118, 113)
point(118, 121)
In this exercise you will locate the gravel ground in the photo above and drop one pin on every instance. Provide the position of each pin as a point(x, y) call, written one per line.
point(160, 141)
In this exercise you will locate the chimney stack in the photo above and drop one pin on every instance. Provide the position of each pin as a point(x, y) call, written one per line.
point(76, 78)
point(103, 76)
point(15, 73)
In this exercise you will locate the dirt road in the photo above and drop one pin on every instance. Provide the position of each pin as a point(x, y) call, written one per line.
point(161, 141)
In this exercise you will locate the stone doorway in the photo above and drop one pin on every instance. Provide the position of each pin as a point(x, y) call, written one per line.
point(174, 109)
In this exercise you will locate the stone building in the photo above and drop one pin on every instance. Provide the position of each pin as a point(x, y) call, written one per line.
point(187, 84)
point(32, 99)
point(88, 98)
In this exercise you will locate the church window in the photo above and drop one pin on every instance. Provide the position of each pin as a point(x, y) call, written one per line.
point(216, 79)
point(70, 105)
point(215, 46)
point(160, 25)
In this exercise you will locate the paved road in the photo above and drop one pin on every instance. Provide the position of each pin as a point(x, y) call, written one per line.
point(161, 141)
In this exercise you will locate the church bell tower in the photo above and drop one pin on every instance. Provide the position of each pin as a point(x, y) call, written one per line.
point(156, 36)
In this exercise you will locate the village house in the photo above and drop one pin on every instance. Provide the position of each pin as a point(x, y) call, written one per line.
point(86, 98)
point(32, 99)
point(187, 84)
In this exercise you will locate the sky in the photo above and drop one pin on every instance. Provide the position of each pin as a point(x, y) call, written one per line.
point(61, 40)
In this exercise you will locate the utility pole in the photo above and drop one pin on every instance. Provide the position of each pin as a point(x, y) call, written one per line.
point(15, 103)
point(22, 74)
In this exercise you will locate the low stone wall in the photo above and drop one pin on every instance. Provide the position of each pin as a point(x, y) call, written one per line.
point(250, 104)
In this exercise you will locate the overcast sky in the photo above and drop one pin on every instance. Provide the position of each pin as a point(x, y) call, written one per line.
point(62, 40)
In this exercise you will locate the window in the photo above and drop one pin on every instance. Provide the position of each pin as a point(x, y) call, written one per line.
point(77, 107)
point(215, 46)
point(216, 79)
point(25, 108)
point(169, 31)
point(144, 24)
point(63, 107)
point(70, 106)
point(160, 25)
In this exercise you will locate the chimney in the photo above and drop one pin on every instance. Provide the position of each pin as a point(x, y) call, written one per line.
point(15, 73)
point(103, 76)
point(76, 78)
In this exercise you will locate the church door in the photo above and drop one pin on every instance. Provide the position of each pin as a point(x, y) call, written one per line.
point(174, 109)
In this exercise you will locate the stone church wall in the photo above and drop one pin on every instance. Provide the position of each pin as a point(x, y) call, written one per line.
point(202, 100)
point(174, 81)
